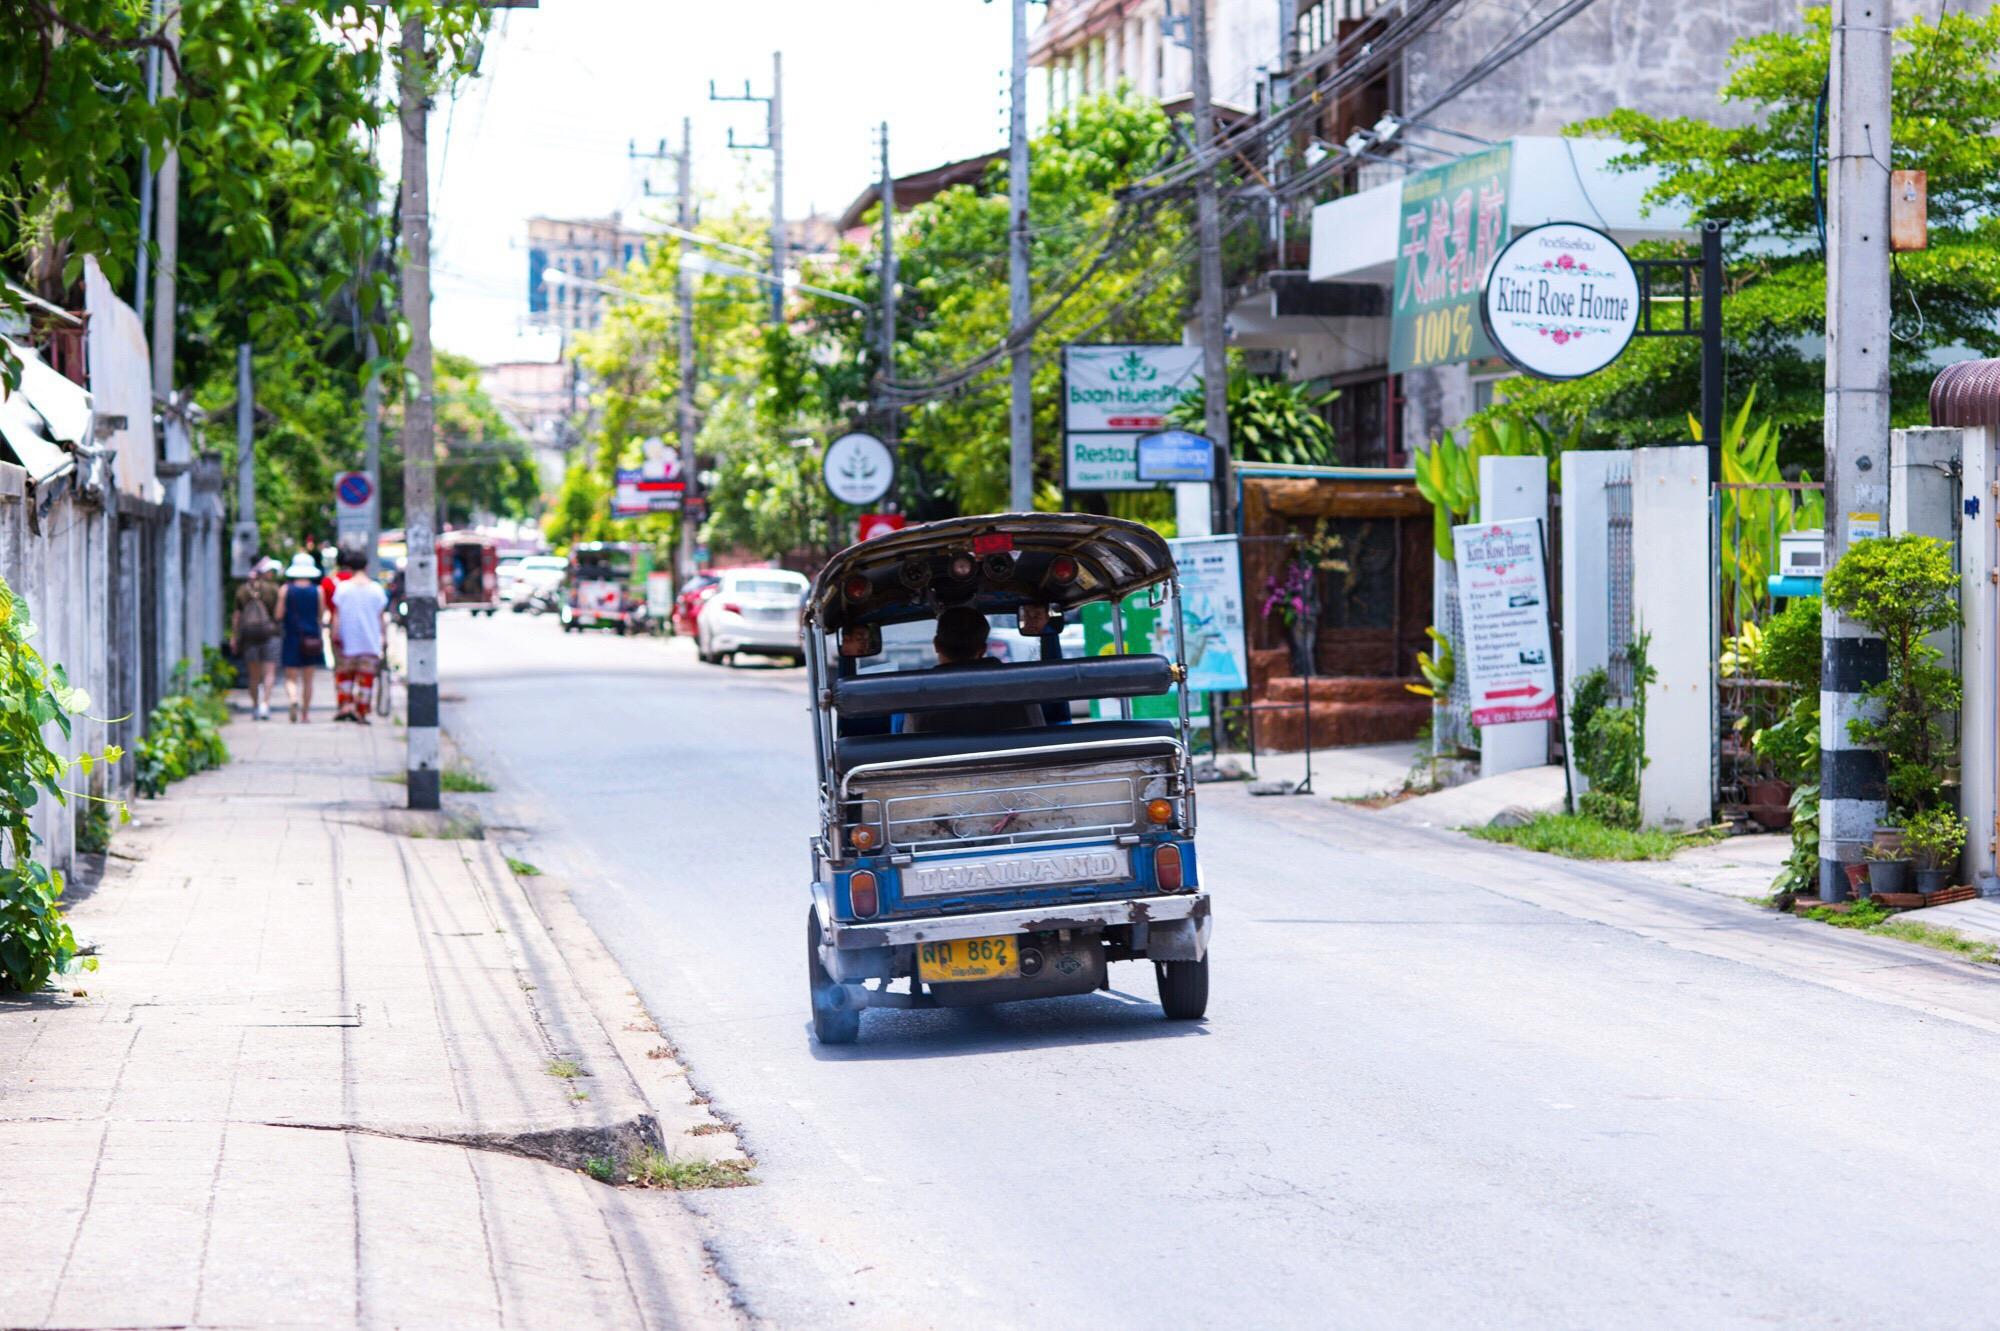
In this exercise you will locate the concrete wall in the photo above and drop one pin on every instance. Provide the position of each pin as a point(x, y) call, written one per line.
point(1586, 616)
point(1664, 59)
point(1673, 585)
point(1979, 663)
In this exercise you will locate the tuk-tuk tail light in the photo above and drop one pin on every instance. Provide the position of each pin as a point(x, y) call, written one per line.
point(1167, 868)
point(1160, 811)
point(865, 899)
point(855, 588)
point(1062, 569)
point(862, 838)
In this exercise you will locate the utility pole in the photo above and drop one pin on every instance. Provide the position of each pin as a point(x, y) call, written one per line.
point(892, 415)
point(419, 442)
point(1021, 405)
point(167, 223)
point(684, 336)
point(243, 551)
point(371, 411)
point(142, 262)
point(1214, 357)
point(774, 143)
point(1857, 415)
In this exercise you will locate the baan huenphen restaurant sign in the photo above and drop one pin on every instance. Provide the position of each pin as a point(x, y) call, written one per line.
point(1452, 224)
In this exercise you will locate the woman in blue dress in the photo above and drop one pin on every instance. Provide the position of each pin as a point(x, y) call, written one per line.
point(301, 653)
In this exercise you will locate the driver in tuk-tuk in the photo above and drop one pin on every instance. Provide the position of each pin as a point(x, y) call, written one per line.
point(960, 643)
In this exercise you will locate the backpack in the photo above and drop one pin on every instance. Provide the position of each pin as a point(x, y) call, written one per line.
point(254, 625)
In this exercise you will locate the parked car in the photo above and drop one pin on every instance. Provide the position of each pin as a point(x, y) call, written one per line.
point(753, 610)
point(908, 646)
point(688, 604)
point(536, 579)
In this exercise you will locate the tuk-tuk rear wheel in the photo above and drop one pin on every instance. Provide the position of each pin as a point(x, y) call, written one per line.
point(831, 1024)
point(1183, 988)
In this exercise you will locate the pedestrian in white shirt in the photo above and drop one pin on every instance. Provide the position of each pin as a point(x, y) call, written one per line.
point(360, 621)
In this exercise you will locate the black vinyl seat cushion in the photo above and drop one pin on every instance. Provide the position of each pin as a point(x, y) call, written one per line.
point(1023, 682)
point(855, 750)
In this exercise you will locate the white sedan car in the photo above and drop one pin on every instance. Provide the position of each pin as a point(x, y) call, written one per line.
point(753, 610)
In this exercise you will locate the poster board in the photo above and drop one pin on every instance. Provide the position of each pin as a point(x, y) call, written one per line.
point(1503, 599)
point(1113, 393)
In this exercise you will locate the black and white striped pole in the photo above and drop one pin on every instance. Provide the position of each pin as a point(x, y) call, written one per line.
point(420, 572)
point(1852, 792)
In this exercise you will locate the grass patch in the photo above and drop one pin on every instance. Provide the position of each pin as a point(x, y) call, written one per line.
point(566, 1068)
point(457, 780)
point(522, 868)
point(656, 1169)
point(1870, 918)
point(1578, 838)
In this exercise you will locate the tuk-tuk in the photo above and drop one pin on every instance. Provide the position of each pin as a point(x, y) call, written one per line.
point(984, 865)
point(606, 587)
point(468, 572)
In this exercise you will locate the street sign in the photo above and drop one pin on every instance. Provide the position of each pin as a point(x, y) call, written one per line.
point(1176, 455)
point(1562, 301)
point(859, 469)
point(1113, 394)
point(871, 525)
point(354, 504)
point(1503, 603)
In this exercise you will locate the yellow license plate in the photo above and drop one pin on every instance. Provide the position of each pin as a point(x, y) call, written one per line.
point(969, 959)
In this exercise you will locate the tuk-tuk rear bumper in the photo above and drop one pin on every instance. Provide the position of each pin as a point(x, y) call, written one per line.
point(1190, 906)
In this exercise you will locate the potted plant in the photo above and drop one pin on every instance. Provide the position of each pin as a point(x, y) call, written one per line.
point(1291, 595)
point(1935, 838)
point(1888, 870)
point(1902, 589)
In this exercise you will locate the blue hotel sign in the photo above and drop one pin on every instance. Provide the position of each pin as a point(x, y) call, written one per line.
point(1176, 455)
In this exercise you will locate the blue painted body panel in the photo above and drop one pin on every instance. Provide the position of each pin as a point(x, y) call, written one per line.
point(888, 880)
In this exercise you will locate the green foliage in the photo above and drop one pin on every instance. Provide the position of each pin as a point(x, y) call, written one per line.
point(1610, 740)
point(1754, 170)
point(485, 468)
point(1582, 837)
point(1753, 520)
point(35, 939)
point(1935, 837)
point(1902, 588)
point(1789, 652)
point(274, 117)
point(1800, 876)
point(1439, 672)
point(93, 830)
point(183, 735)
point(1448, 473)
point(1270, 420)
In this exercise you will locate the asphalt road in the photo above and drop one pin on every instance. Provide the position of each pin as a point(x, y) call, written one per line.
point(1440, 1083)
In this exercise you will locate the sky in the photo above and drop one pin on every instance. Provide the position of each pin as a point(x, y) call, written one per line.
point(563, 89)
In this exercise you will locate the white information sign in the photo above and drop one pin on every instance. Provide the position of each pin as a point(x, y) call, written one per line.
point(1211, 571)
point(859, 469)
point(1561, 301)
point(1503, 606)
point(1112, 394)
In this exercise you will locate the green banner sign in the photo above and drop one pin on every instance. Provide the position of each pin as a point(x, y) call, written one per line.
point(1453, 223)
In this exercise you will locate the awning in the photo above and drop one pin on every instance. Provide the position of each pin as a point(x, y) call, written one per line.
point(46, 412)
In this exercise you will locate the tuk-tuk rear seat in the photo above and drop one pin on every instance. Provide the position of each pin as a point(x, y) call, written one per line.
point(855, 750)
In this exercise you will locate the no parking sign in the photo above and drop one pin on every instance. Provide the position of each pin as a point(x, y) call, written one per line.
point(354, 503)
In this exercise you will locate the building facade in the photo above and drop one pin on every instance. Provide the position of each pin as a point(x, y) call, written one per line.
point(1087, 47)
point(592, 248)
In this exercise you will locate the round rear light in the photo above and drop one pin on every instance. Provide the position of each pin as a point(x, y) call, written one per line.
point(855, 588)
point(862, 894)
point(862, 838)
point(914, 574)
point(998, 568)
point(1062, 569)
point(1160, 811)
point(962, 567)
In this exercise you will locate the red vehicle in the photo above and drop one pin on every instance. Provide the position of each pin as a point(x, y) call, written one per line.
point(468, 572)
point(687, 606)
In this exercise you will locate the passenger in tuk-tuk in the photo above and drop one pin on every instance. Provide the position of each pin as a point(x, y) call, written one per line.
point(960, 643)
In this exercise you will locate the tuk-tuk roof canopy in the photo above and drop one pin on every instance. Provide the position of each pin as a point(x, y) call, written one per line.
point(1114, 558)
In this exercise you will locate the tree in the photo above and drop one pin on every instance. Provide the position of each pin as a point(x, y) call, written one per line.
point(1758, 177)
point(1270, 420)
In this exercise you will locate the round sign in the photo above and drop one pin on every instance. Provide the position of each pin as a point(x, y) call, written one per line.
point(354, 489)
point(859, 469)
point(1561, 301)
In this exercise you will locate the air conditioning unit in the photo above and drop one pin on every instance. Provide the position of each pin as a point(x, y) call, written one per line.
point(1802, 554)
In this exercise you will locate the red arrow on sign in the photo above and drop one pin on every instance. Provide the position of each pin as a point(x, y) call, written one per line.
point(1524, 691)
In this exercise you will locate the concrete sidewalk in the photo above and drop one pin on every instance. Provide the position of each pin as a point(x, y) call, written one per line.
point(314, 1081)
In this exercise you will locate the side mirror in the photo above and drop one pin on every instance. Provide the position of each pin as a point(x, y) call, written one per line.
point(1032, 620)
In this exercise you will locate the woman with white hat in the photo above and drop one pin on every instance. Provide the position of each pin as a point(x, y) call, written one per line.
point(301, 653)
